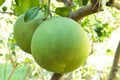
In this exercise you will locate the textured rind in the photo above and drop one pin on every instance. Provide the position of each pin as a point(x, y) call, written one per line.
point(23, 31)
point(60, 45)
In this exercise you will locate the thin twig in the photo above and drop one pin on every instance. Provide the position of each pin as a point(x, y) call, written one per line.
point(5, 69)
point(10, 13)
point(49, 8)
point(14, 68)
point(7, 47)
point(115, 65)
point(27, 72)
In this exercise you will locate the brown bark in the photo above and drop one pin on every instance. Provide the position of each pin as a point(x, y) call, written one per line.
point(117, 5)
point(82, 12)
point(95, 6)
point(114, 4)
point(115, 65)
point(111, 1)
point(56, 76)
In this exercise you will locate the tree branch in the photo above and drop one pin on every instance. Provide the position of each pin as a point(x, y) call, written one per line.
point(117, 5)
point(67, 3)
point(14, 68)
point(112, 3)
point(10, 13)
point(115, 65)
point(56, 76)
point(95, 6)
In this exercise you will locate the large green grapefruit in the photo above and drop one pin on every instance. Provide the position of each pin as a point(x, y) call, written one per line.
point(23, 31)
point(60, 45)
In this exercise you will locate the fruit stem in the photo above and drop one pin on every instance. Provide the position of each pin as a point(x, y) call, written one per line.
point(56, 76)
point(115, 65)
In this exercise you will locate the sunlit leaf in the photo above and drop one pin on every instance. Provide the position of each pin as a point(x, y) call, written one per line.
point(16, 1)
point(79, 2)
point(1, 54)
point(1, 2)
point(43, 2)
point(98, 30)
point(23, 5)
point(62, 11)
point(1, 41)
point(85, 2)
point(109, 50)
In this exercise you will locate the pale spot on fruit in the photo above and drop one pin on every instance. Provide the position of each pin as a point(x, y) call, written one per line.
point(64, 66)
point(23, 33)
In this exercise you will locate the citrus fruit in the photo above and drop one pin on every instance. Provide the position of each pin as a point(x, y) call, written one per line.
point(23, 31)
point(60, 45)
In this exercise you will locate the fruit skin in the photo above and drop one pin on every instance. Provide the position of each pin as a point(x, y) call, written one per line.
point(60, 45)
point(23, 31)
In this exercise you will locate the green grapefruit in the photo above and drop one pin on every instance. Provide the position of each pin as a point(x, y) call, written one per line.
point(60, 45)
point(23, 31)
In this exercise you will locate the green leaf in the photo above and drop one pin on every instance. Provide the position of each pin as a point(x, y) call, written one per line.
point(34, 3)
point(79, 2)
point(27, 60)
point(1, 2)
point(108, 50)
point(62, 11)
point(98, 30)
point(1, 54)
point(24, 5)
point(105, 25)
point(21, 6)
point(31, 14)
point(16, 1)
point(84, 2)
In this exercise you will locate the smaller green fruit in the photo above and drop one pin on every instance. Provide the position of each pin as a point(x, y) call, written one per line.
point(4, 8)
point(23, 31)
